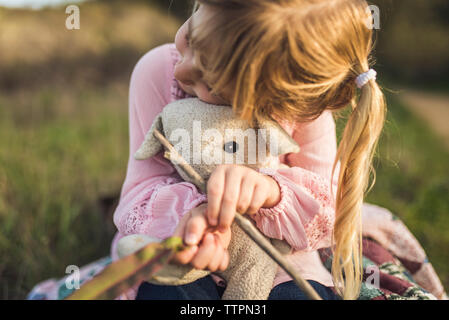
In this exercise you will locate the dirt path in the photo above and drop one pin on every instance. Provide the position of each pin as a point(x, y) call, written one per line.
point(433, 108)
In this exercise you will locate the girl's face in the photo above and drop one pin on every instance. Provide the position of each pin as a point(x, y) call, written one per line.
point(187, 74)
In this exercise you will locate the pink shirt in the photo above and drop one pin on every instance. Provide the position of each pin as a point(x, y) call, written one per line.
point(154, 197)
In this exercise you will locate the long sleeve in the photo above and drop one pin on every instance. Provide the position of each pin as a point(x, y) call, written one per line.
point(305, 215)
point(153, 196)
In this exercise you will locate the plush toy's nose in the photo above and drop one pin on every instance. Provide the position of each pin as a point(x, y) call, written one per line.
point(231, 147)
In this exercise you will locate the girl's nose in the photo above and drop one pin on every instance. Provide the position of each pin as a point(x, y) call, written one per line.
point(186, 72)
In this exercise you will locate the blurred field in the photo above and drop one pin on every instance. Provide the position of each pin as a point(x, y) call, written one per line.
point(64, 141)
point(37, 48)
point(413, 42)
point(432, 107)
point(64, 132)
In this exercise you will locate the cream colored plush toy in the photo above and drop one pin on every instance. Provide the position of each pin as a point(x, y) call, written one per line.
point(206, 136)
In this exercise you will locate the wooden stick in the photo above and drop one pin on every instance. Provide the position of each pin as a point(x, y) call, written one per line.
point(243, 223)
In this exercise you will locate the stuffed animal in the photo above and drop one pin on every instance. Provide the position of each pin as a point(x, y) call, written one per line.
point(206, 136)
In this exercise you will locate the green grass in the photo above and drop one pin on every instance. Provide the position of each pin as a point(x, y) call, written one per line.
point(63, 132)
point(55, 165)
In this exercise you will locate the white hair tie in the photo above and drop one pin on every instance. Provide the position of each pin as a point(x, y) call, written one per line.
point(363, 79)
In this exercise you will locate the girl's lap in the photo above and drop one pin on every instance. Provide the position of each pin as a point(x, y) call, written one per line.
point(206, 289)
point(290, 291)
point(202, 289)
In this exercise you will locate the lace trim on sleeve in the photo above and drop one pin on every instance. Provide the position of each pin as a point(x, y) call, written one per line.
point(138, 216)
point(319, 229)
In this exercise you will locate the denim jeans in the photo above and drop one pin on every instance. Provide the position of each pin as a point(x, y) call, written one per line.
point(206, 289)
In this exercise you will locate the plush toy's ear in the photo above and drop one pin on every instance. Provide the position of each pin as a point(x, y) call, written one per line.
point(277, 139)
point(150, 145)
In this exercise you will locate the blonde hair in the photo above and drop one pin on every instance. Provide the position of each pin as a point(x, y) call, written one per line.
point(294, 59)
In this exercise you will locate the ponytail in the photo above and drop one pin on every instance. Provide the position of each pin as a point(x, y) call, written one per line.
point(355, 153)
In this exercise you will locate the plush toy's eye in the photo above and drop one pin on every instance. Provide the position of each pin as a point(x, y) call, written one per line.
point(231, 147)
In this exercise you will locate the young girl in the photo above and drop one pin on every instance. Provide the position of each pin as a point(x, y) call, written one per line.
point(295, 61)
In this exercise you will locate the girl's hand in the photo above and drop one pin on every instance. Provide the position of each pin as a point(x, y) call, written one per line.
point(207, 247)
point(234, 188)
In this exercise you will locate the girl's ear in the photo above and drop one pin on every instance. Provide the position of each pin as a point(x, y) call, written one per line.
point(150, 145)
point(278, 141)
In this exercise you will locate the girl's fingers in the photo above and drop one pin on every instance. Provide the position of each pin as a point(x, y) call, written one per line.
point(186, 255)
point(195, 227)
point(215, 186)
point(205, 252)
point(180, 228)
point(217, 255)
point(259, 197)
point(246, 195)
point(230, 198)
point(224, 238)
point(224, 261)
